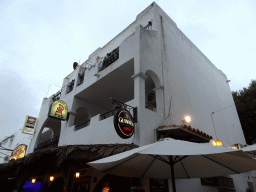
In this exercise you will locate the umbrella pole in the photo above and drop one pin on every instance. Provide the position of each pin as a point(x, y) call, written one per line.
point(172, 172)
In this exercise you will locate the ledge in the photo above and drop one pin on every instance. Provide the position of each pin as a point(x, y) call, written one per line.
point(140, 74)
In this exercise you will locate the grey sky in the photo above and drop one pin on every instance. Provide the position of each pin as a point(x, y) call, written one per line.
point(40, 40)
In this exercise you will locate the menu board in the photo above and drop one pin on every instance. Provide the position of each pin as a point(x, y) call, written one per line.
point(30, 124)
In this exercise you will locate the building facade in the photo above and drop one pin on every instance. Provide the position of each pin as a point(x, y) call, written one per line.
point(157, 74)
point(12, 142)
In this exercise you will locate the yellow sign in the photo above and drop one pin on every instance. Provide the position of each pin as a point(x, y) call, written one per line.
point(30, 124)
point(59, 110)
point(19, 152)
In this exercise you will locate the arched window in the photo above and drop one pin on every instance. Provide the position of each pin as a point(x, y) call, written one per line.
point(150, 95)
point(49, 134)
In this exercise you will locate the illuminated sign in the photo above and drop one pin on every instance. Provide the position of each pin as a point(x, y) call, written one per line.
point(59, 110)
point(19, 152)
point(30, 124)
point(123, 122)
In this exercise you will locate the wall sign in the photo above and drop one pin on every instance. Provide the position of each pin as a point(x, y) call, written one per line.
point(30, 124)
point(19, 152)
point(124, 124)
point(59, 110)
point(158, 185)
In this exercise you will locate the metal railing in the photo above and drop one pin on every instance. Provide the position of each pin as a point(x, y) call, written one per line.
point(110, 58)
point(82, 125)
point(56, 96)
point(50, 143)
point(107, 114)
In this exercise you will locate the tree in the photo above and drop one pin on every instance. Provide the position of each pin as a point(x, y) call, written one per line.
point(245, 101)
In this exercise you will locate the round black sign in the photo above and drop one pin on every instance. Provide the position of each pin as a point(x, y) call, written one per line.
point(123, 123)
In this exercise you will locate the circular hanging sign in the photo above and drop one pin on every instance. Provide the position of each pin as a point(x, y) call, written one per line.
point(123, 122)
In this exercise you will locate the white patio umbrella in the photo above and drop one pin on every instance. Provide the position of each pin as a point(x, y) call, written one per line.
point(250, 150)
point(177, 160)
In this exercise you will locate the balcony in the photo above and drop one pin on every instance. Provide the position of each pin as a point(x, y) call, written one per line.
point(107, 114)
point(50, 143)
point(82, 125)
point(110, 58)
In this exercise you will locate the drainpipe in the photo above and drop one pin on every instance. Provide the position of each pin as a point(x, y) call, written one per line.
point(169, 113)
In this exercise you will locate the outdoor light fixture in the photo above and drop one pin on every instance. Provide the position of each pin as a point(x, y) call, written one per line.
point(77, 174)
point(233, 147)
point(33, 181)
point(236, 146)
point(218, 143)
point(106, 187)
point(212, 142)
point(187, 119)
point(51, 178)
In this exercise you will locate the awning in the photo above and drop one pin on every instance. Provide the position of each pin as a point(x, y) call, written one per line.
point(54, 159)
point(183, 132)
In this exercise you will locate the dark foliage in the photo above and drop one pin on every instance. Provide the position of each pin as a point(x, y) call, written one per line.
point(245, 101)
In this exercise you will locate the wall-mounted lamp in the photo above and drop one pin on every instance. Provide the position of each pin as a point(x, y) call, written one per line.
point(106, 187)
point(187, 119)
point(218, 143)
point(236, 146)
point(51, 178)
point(77, 174)
point(33, 181)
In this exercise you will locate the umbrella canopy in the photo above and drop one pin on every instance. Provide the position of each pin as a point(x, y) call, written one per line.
point(177, 160)
point(250, 150)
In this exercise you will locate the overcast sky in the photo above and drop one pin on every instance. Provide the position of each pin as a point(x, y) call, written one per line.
point(40, 40)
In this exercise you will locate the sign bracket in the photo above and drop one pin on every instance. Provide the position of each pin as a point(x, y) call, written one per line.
point(121, 104)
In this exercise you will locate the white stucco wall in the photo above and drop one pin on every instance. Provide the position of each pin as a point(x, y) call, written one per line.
point(14, 140)
point(180, 72)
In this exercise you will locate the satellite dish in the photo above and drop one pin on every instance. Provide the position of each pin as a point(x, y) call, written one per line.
point(75, 65)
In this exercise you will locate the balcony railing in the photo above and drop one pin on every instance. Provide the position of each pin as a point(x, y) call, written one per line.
point(110, 58)
point(56, 96)
point(50, 143)
point(82, 125)
point(107, 114)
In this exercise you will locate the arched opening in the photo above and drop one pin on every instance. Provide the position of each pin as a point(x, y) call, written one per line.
point(153, 92)
point(150, 95)
point(82, 118)
point(49, 134)
point(46, 134)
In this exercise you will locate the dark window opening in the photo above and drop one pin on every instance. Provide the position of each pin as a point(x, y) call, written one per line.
point(80, 78)
point(150, 96)
point(71, 86)
point(82, 118)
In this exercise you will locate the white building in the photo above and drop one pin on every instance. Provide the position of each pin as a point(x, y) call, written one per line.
point(11, 142)
point(151, 66)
